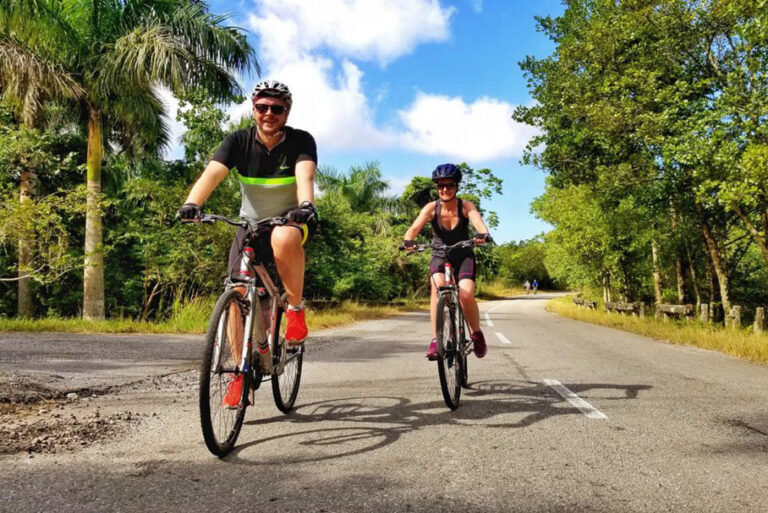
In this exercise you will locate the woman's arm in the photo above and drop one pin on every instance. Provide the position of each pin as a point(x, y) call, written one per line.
point(470, 210)
point(426, 215)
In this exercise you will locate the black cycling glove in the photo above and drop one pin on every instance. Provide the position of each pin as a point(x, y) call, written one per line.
point(306, 213)
point(189, 211)
point(484, 236)
point(408, 244)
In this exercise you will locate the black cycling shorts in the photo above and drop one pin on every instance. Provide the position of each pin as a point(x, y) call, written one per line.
point(238, 245)
point(463, 266)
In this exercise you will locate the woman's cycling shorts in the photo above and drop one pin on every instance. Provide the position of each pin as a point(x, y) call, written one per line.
point(463, 266)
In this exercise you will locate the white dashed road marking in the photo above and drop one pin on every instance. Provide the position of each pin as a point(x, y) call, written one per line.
point(488, 320)
point(494, 308)
point(504, 339)
point(585, 408)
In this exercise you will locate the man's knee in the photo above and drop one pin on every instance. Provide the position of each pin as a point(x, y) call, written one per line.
point(286, 239)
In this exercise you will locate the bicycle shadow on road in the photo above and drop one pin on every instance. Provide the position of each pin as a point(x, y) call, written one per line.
point(492, 404)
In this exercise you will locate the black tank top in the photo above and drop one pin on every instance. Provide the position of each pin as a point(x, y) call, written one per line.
point(444, 236)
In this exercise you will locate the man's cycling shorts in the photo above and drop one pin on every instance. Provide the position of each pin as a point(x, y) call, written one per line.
point(238, 245)
point(463, 266)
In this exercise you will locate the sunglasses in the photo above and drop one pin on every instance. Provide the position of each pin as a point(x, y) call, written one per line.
point(446, 186)
point(262, 108)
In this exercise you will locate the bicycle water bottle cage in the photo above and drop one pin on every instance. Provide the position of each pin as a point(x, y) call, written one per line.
point(447, 287)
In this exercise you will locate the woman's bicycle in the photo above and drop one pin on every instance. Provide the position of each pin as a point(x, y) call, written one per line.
point(453, 345)
point(249, 310)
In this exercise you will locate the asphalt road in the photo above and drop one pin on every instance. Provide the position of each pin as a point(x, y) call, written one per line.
point(561, 416)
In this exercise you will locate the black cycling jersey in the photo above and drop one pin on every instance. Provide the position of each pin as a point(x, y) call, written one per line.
point(267, 177)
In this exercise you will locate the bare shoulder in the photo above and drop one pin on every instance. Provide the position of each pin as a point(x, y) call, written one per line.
point(467, 206)
point(429, 210)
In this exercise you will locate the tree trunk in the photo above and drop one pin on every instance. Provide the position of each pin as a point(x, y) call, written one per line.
point(26, 249)
point(606, 287)
point(718, 261)
point(656, 273)
point(761, 238)
point(678, 260)
point(680, 280)
point(93, 278)
point(694, 280)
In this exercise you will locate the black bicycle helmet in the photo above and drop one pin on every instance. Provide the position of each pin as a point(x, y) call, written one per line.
point(272, 89)
point(446, 171)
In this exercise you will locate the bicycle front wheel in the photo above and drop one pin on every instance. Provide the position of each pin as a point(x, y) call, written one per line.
point(463, 357)
point(221, 417)
point(287, 368)
point(449, 357)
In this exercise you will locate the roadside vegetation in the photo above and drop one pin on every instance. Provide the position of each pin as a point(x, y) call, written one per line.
point(739, 343)
point(655, 144)
point(193, 318)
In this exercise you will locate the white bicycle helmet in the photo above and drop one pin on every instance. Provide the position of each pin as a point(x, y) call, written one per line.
point(272, 89)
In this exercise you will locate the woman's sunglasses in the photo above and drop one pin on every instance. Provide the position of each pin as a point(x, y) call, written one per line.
point(262, 108)
point(451, 185)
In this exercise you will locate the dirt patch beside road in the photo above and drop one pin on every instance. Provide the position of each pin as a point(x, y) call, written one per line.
point(50, 429)
point(36, 424)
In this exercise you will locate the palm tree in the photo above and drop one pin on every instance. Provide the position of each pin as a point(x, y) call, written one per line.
point(364, 187)
point(106, 58)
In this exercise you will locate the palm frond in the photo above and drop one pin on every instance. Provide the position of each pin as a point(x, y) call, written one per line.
point(207, 37)
point(155, 54)
point(137, 121)
point(43, 25)
point(27, 79)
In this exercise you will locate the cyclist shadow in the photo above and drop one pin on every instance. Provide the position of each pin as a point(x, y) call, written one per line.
point(370, 423)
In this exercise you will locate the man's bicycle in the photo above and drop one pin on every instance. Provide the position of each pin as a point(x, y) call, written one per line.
point(453, 345)
point(247, 311)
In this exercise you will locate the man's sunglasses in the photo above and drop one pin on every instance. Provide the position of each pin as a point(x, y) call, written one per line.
point(262, 108)
point(451, 185)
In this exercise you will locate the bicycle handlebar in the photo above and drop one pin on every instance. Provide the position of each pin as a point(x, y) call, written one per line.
point(243, 223)
point(418, 248)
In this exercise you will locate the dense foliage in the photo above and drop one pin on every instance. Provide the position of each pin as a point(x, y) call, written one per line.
point(155, 265)
point(654, 134)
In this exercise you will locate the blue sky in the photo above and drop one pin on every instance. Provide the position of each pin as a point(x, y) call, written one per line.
point(408, 83)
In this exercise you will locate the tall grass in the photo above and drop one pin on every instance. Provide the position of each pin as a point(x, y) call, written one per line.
point(496, 290)
point(735, 342)
point(193, 317)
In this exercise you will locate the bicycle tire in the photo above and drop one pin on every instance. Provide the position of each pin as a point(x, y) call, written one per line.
point(461, 333)
point(448, 356)
point(285, 386)
point(221, 425)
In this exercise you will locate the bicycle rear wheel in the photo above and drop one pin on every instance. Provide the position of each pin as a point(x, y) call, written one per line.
point(449, 357)
point(221, 424)
point(285, 384)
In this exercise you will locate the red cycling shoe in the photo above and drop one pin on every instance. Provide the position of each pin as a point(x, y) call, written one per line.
point(296, 326)
point(234, 392)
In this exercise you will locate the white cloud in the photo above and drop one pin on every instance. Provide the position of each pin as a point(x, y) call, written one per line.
point(311, 47)
point(176, 128)
point(482, 130)
point(329, 102)
point(477, 5)
point(379, 30)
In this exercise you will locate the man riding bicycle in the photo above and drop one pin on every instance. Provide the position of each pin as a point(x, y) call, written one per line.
point(276, 166)
point(450, 217)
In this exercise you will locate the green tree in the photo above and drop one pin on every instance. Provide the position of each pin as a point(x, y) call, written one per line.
point(105, 58)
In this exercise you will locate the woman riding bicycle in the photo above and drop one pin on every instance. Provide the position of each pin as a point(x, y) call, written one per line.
point(450, 217)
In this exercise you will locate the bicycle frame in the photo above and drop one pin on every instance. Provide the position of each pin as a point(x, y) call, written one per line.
point(254, 326)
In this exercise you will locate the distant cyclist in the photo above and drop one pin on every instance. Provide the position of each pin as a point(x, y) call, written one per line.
point(527, 287)
point(535, 286)
point(450, 217)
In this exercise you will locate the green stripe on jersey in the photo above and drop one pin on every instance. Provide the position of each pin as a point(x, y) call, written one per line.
point(283, 180)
